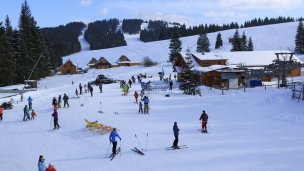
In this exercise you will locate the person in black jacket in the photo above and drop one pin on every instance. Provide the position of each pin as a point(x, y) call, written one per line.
point(176, 133)
point(55, 115)
point(204, 118)
point(65, 100)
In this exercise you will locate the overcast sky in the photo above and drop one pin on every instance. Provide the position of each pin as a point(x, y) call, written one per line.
point(49, 13)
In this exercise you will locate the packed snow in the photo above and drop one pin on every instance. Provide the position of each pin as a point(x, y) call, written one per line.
point(254, 130)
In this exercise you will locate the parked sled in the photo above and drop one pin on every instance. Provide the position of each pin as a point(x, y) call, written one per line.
point(98, 127)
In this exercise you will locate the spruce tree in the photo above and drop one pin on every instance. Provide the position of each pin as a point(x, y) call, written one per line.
point(6, 64)
point(189, 85)
point(236, 42)
point(300, 38)
point(9, 36)
point(219, 41)
point(203, 43)
point(250, 45)
point(244, 42)
point(175, 45)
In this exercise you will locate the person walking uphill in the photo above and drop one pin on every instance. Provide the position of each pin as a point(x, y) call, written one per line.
point(55, 115)
point(113, 139)
point(176, 133)
point(65, 100)
point(204, 118)
point(30, 102)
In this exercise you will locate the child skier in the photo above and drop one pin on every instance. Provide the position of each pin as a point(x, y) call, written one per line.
point(54, 103)
point(55, 115)
point(33, 114)
point(204, 118)
point(136, 96)
point(59, 101)
point(140, 110)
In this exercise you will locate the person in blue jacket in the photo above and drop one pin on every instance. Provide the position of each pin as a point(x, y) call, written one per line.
point(41, 164)
point(146, 104)
point(113, 139)
point(176, 133)
point(30, 102)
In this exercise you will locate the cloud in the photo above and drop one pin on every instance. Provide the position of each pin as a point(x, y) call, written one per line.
point(86, 2)
point(167, 17)
point(104, 11)
point(260, 4)
point(224, 14)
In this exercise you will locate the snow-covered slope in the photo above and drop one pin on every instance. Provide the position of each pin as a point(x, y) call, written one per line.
point(265, 38)
point(85, 46)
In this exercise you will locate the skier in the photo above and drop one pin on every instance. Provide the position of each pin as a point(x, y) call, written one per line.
point(171, 84)
point(80, 88)
point(140, 110)
point(54, 103)
point(55, 115)
point(100, 87)
point(133, 78)
point(176, 133)
point(59, 101)
point(146, 105)
point(41, 164)
point(30, 102)
point(33, 114)
point(26, 113)
point(204, 118)
point(136, 96)
point(76, 92)
point(113, 140)
point(130, 83)
point(1, 113)
point(125, 89)
point(65, 100)
point(90, 89)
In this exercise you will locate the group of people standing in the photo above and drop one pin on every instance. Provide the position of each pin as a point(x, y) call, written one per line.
point(88, 88)
point(28, 111)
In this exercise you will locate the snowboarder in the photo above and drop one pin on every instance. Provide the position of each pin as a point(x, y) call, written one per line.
point(30, 102)
point(146, 105)
point(76, 92)
point(55, 115)
point(33, 114)
point(176, 133)
point(26, 113)
point(80, 88)
point(65, 100)
point(1, 113)
point(100, 87)
point(136, 96)
point(204, 118)
point(171, 84)
point(59, 101)
point(90, 89)
point(113, 140)
point(140, 110)
point(54, 103)
point(41, 164)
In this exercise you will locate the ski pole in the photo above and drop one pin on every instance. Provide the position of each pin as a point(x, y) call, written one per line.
point(108, 150)
point(146, 141)
point(138, 141)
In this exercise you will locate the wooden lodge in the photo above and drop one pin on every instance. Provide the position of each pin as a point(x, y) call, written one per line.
point(68, 68)
point(125, 61)
point(92, 63)
point(102, 63)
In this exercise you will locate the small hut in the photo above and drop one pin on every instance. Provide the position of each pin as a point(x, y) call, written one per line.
point(125, 61)
point(68, 68)
point(92, 63)
point(102, 63)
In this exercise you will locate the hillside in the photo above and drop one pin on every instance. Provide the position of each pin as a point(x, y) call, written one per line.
point(270, 37)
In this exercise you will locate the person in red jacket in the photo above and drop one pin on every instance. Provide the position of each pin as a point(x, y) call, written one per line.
point(33, 114)
point(1, 113)
point(136, 96)
point(55, 115)
point(50, 168)
point(204, 118)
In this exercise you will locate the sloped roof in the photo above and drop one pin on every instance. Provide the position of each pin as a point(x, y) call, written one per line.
point(101, 58)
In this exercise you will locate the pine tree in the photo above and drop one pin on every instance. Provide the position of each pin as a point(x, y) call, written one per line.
point(175, 45)
point(6, 64)
point(244, 42)
point(9, 36)
point(219, 41)
point(250, 45)
point(189, 84)
point(203, 43)
point(236, 43)
point(300, 38)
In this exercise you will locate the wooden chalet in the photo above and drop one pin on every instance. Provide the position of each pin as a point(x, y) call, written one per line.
point(102, 63)
point(92, 63)
point(68, 68)
point(125, 61)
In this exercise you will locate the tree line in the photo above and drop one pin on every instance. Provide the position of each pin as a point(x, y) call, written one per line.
point(131, 26)
point(104, 34)
point(22, 48)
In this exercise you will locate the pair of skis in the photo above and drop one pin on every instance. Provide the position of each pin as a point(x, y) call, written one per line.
point(138, 151)
point(203, 131)
point(177, 147)
point(112, 156)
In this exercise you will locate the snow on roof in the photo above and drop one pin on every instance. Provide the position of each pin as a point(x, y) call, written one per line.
point(195, 64)
point(209, 68)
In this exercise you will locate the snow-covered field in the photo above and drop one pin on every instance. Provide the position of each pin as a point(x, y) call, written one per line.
point(256, 130)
